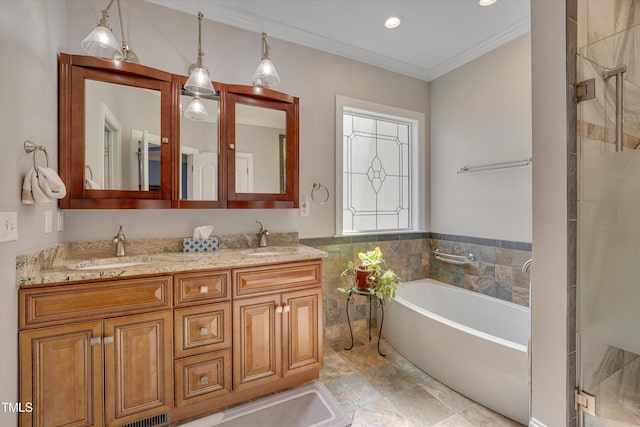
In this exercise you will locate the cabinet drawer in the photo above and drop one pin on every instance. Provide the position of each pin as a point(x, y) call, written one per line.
point(93, 300)
point(202, 377)
point(202, 328)
point(279, 277)
point(202, 286)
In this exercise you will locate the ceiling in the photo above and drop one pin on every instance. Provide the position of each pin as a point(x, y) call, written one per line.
point(436, 36)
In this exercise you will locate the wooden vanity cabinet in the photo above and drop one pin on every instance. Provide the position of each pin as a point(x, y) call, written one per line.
point(202, 328)
point(89, 356)
point(278, 332)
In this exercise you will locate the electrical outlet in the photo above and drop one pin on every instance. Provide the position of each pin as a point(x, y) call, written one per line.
point(8, 226)
point(60, 221)
point(48, 222)
point(304, 207)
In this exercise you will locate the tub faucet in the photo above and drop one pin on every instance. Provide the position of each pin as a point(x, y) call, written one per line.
point(527, 265)
point(119, 240)
point(262, 235)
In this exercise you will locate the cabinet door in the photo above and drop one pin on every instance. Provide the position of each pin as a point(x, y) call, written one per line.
point(61, 375)
point(138, 366)
point(302, 330)
point(257, 341)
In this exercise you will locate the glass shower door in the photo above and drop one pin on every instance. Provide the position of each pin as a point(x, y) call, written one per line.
point(609, 231)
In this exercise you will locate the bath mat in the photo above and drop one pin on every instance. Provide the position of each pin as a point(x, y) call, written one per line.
point(310, 405)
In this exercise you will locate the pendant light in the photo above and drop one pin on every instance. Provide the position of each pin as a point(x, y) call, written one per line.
point(196, 111)
point(199, 82)
point(266, 74)
point(102, 43)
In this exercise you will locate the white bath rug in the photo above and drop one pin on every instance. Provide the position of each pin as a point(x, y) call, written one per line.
point(310, 405)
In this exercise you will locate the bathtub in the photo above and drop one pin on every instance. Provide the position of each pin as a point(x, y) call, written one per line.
point(476, 345)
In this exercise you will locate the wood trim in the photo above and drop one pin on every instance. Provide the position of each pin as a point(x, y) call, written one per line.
point(260, 93)
point(188, 287)
point(202, 328)
point(61, 375)
point(137, 367)
point(257, 341)
point(56, 304)
point(276, 277)
point(119, 66)
point(216, 367)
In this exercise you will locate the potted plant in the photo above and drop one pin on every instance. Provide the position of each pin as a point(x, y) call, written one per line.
point(372, 275)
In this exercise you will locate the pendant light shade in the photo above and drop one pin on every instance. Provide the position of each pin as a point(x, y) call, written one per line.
point(196, 111)
point(266, 74)
point(102, 43)
point(199, 82)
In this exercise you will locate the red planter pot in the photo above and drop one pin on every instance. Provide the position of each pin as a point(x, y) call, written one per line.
point(361, 278)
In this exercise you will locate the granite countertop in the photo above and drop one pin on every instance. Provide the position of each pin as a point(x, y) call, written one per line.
point(60, 265)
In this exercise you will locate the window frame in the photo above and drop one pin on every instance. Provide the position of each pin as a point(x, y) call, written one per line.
point(419, 171)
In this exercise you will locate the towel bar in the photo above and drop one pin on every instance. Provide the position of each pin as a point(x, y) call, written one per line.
point(454, 259)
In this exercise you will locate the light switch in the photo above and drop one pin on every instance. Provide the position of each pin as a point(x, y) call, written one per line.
point(8, 226)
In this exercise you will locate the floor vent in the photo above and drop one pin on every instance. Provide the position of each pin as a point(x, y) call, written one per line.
point(154, 421)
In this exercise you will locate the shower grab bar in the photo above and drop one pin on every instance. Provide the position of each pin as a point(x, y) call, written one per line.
point(454, 259)
point(618, 72)
point(494, 166)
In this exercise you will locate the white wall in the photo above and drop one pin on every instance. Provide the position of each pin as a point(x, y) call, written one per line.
point(31, 32)
point(549, 271)
point(481, 113)
point(232, 56)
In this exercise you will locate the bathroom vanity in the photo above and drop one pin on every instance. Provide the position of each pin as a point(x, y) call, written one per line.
point(167, 336)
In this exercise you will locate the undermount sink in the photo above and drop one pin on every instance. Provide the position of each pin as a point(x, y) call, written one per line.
point(271, 251)
point(103, 264)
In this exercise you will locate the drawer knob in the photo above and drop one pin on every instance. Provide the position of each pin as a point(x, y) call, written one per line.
point(204, 289)
point(204, 331)
point(204, 380)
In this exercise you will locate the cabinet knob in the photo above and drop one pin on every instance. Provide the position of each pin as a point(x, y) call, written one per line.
point(287, 308)
point(165, 140)
point(204, 331)
point(232, 146)
point(108, 340)
point(279, 309)
point(204, 289)
point(204, 380)
point(96, 341)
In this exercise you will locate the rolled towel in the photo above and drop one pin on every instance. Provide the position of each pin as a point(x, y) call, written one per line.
point(36, 190)
point(51, 184)
point(27, 194)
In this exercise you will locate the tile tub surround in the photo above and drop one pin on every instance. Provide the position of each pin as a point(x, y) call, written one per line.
point(497, 271)
point(406, 254)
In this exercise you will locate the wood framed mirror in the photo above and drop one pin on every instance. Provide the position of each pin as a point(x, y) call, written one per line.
point(262, 148)
point(114, 134)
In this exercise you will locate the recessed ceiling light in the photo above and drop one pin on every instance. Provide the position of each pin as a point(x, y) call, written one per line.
point(486, 2)
point(393, 22)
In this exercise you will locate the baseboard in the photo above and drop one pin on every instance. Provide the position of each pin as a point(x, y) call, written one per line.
point(535, 423)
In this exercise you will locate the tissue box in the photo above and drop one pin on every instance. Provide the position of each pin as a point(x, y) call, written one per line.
point(209, 244)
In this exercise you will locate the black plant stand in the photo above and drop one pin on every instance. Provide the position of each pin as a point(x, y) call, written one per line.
point(379, 302)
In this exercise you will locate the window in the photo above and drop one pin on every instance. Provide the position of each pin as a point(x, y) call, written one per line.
point(377, 156)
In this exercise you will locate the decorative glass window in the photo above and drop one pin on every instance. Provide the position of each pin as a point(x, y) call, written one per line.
point(377, 171)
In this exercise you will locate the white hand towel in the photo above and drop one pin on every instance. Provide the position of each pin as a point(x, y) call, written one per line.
point(36, 190)
point(27, 194)
point(51, 184)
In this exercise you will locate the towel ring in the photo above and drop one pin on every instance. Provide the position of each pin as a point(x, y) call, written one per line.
point(317, 187)
point(30, 147)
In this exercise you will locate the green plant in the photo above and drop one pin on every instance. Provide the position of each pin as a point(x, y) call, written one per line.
point(381, 280)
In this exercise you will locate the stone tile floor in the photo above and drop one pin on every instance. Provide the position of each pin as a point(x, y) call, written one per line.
point(391, 392)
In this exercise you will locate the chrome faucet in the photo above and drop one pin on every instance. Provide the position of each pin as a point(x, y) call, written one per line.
point(262, 235)
point(119, 240)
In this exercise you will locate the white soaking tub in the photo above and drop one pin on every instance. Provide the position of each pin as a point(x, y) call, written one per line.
point(475, 344)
